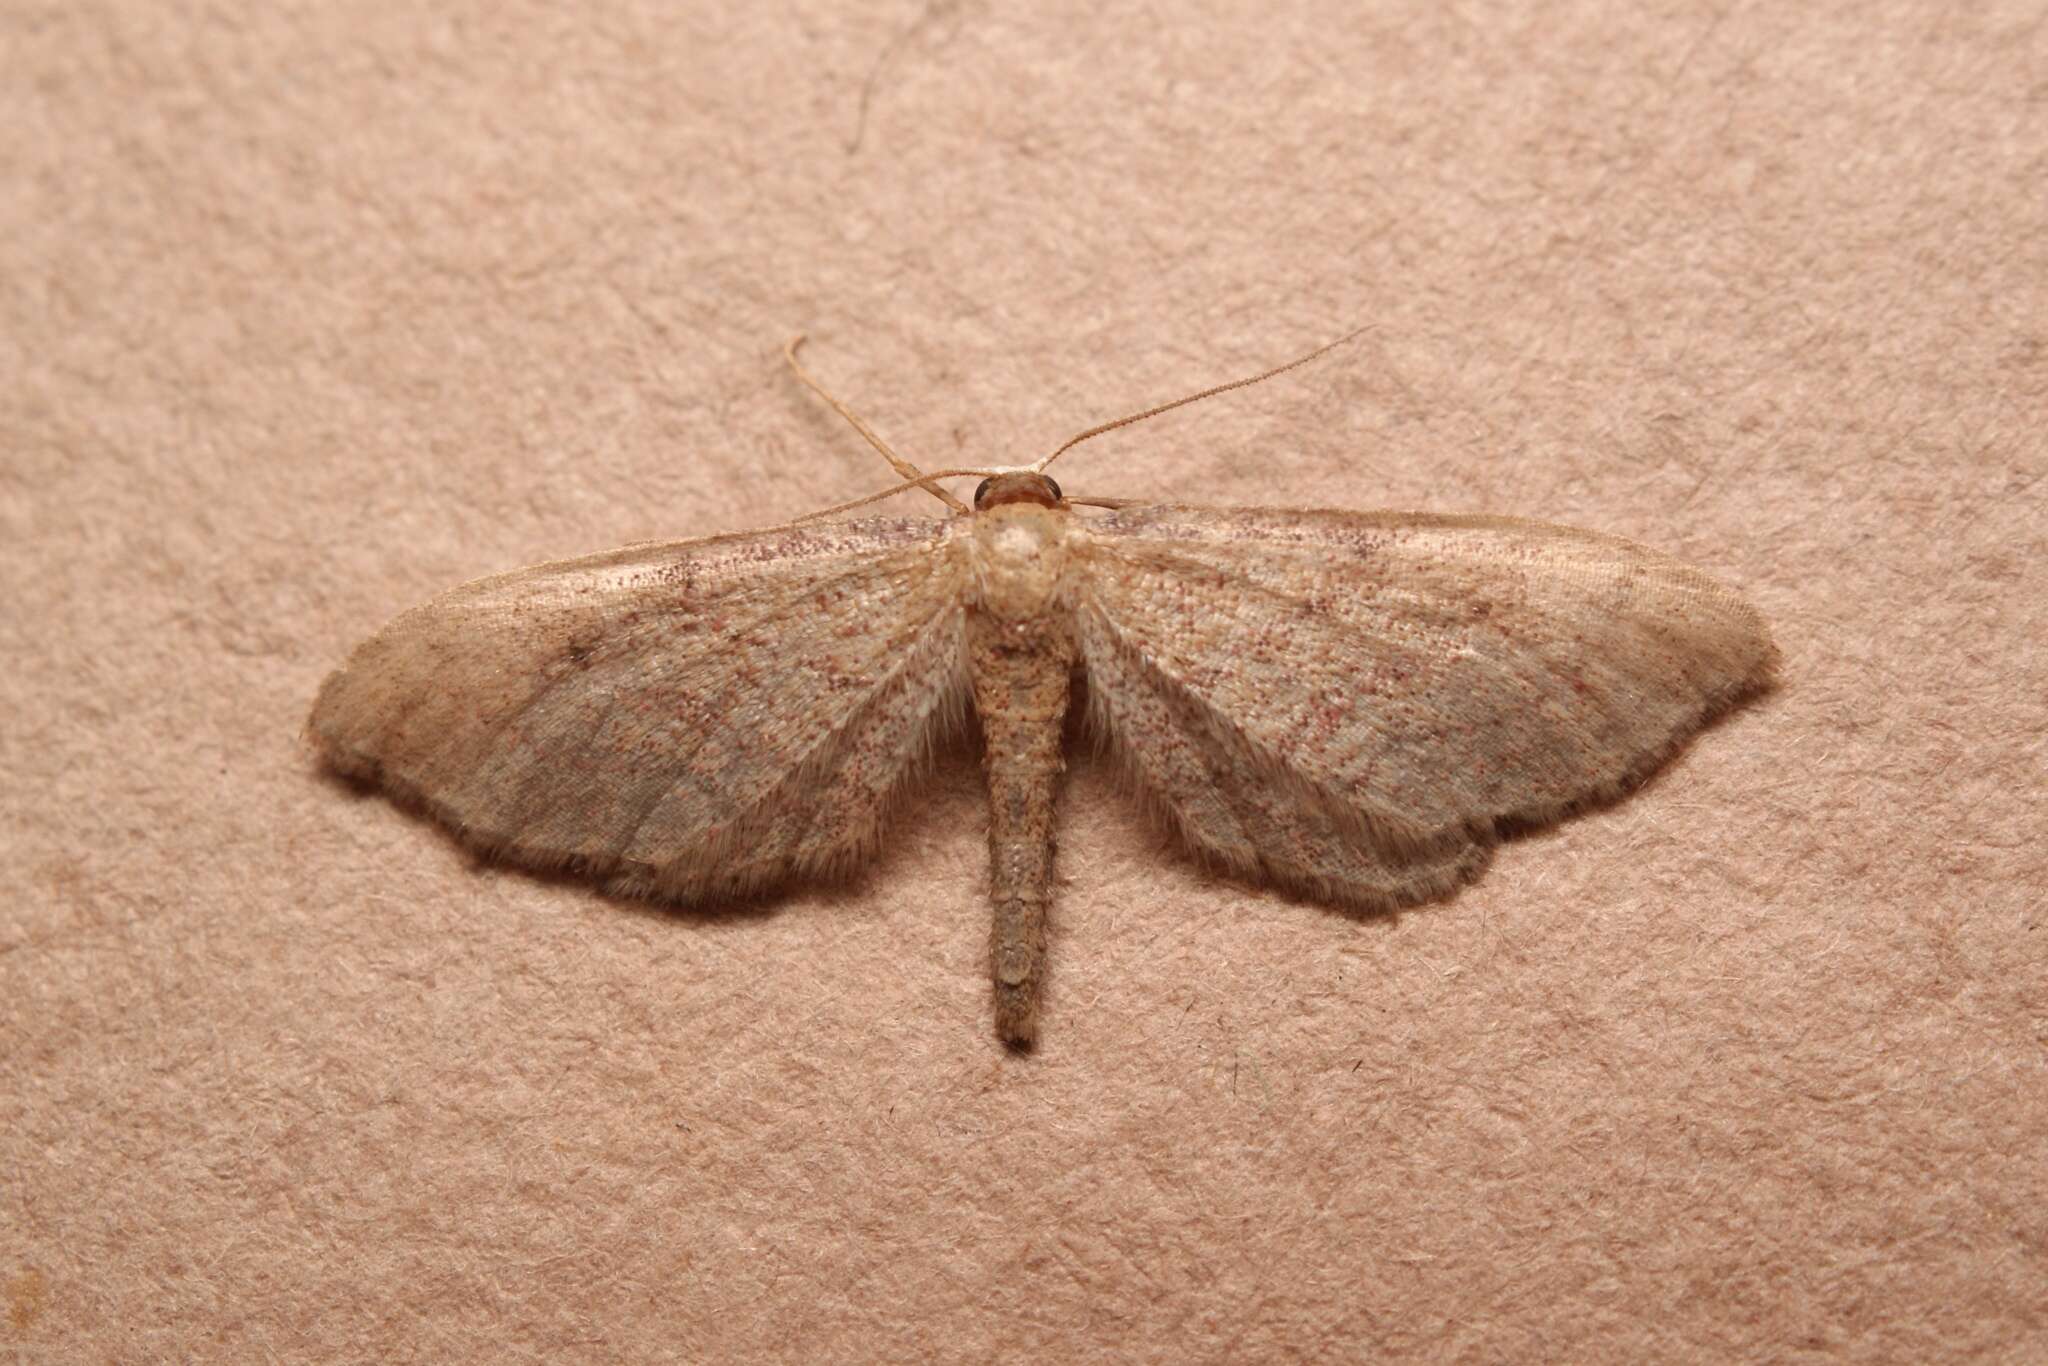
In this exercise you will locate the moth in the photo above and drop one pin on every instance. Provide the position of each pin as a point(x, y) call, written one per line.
point(1353, 706)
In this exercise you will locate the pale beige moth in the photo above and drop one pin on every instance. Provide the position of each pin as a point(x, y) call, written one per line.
point(1352, 706)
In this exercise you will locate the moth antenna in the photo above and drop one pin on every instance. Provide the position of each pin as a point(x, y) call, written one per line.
point(1073, 441)
point(1107, 502)
point(916, 481)
point(896, 462)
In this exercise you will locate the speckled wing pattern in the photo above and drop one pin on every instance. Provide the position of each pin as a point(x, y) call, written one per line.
point(678, 720)
point(1357, 705)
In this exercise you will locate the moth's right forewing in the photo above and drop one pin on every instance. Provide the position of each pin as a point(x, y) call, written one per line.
point(1399, 684)
point(685, 719)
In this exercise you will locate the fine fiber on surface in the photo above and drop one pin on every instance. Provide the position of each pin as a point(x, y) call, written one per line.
point(310, 314)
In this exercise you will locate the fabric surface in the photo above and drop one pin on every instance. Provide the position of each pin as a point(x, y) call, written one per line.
point(310, 312)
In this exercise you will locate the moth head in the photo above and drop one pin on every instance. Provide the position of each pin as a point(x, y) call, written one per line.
point(1017, 486)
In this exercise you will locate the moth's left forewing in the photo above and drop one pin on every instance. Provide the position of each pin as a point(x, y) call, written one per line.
point(1399, 685)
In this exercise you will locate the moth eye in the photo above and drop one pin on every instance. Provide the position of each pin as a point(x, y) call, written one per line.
point(981, 489)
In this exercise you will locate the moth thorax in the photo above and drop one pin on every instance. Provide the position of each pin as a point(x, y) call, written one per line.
point(1020, 556)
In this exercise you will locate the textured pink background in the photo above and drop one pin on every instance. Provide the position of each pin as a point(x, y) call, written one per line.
point(312, 311)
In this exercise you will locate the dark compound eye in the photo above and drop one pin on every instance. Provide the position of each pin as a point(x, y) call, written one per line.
point(1052, 485)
